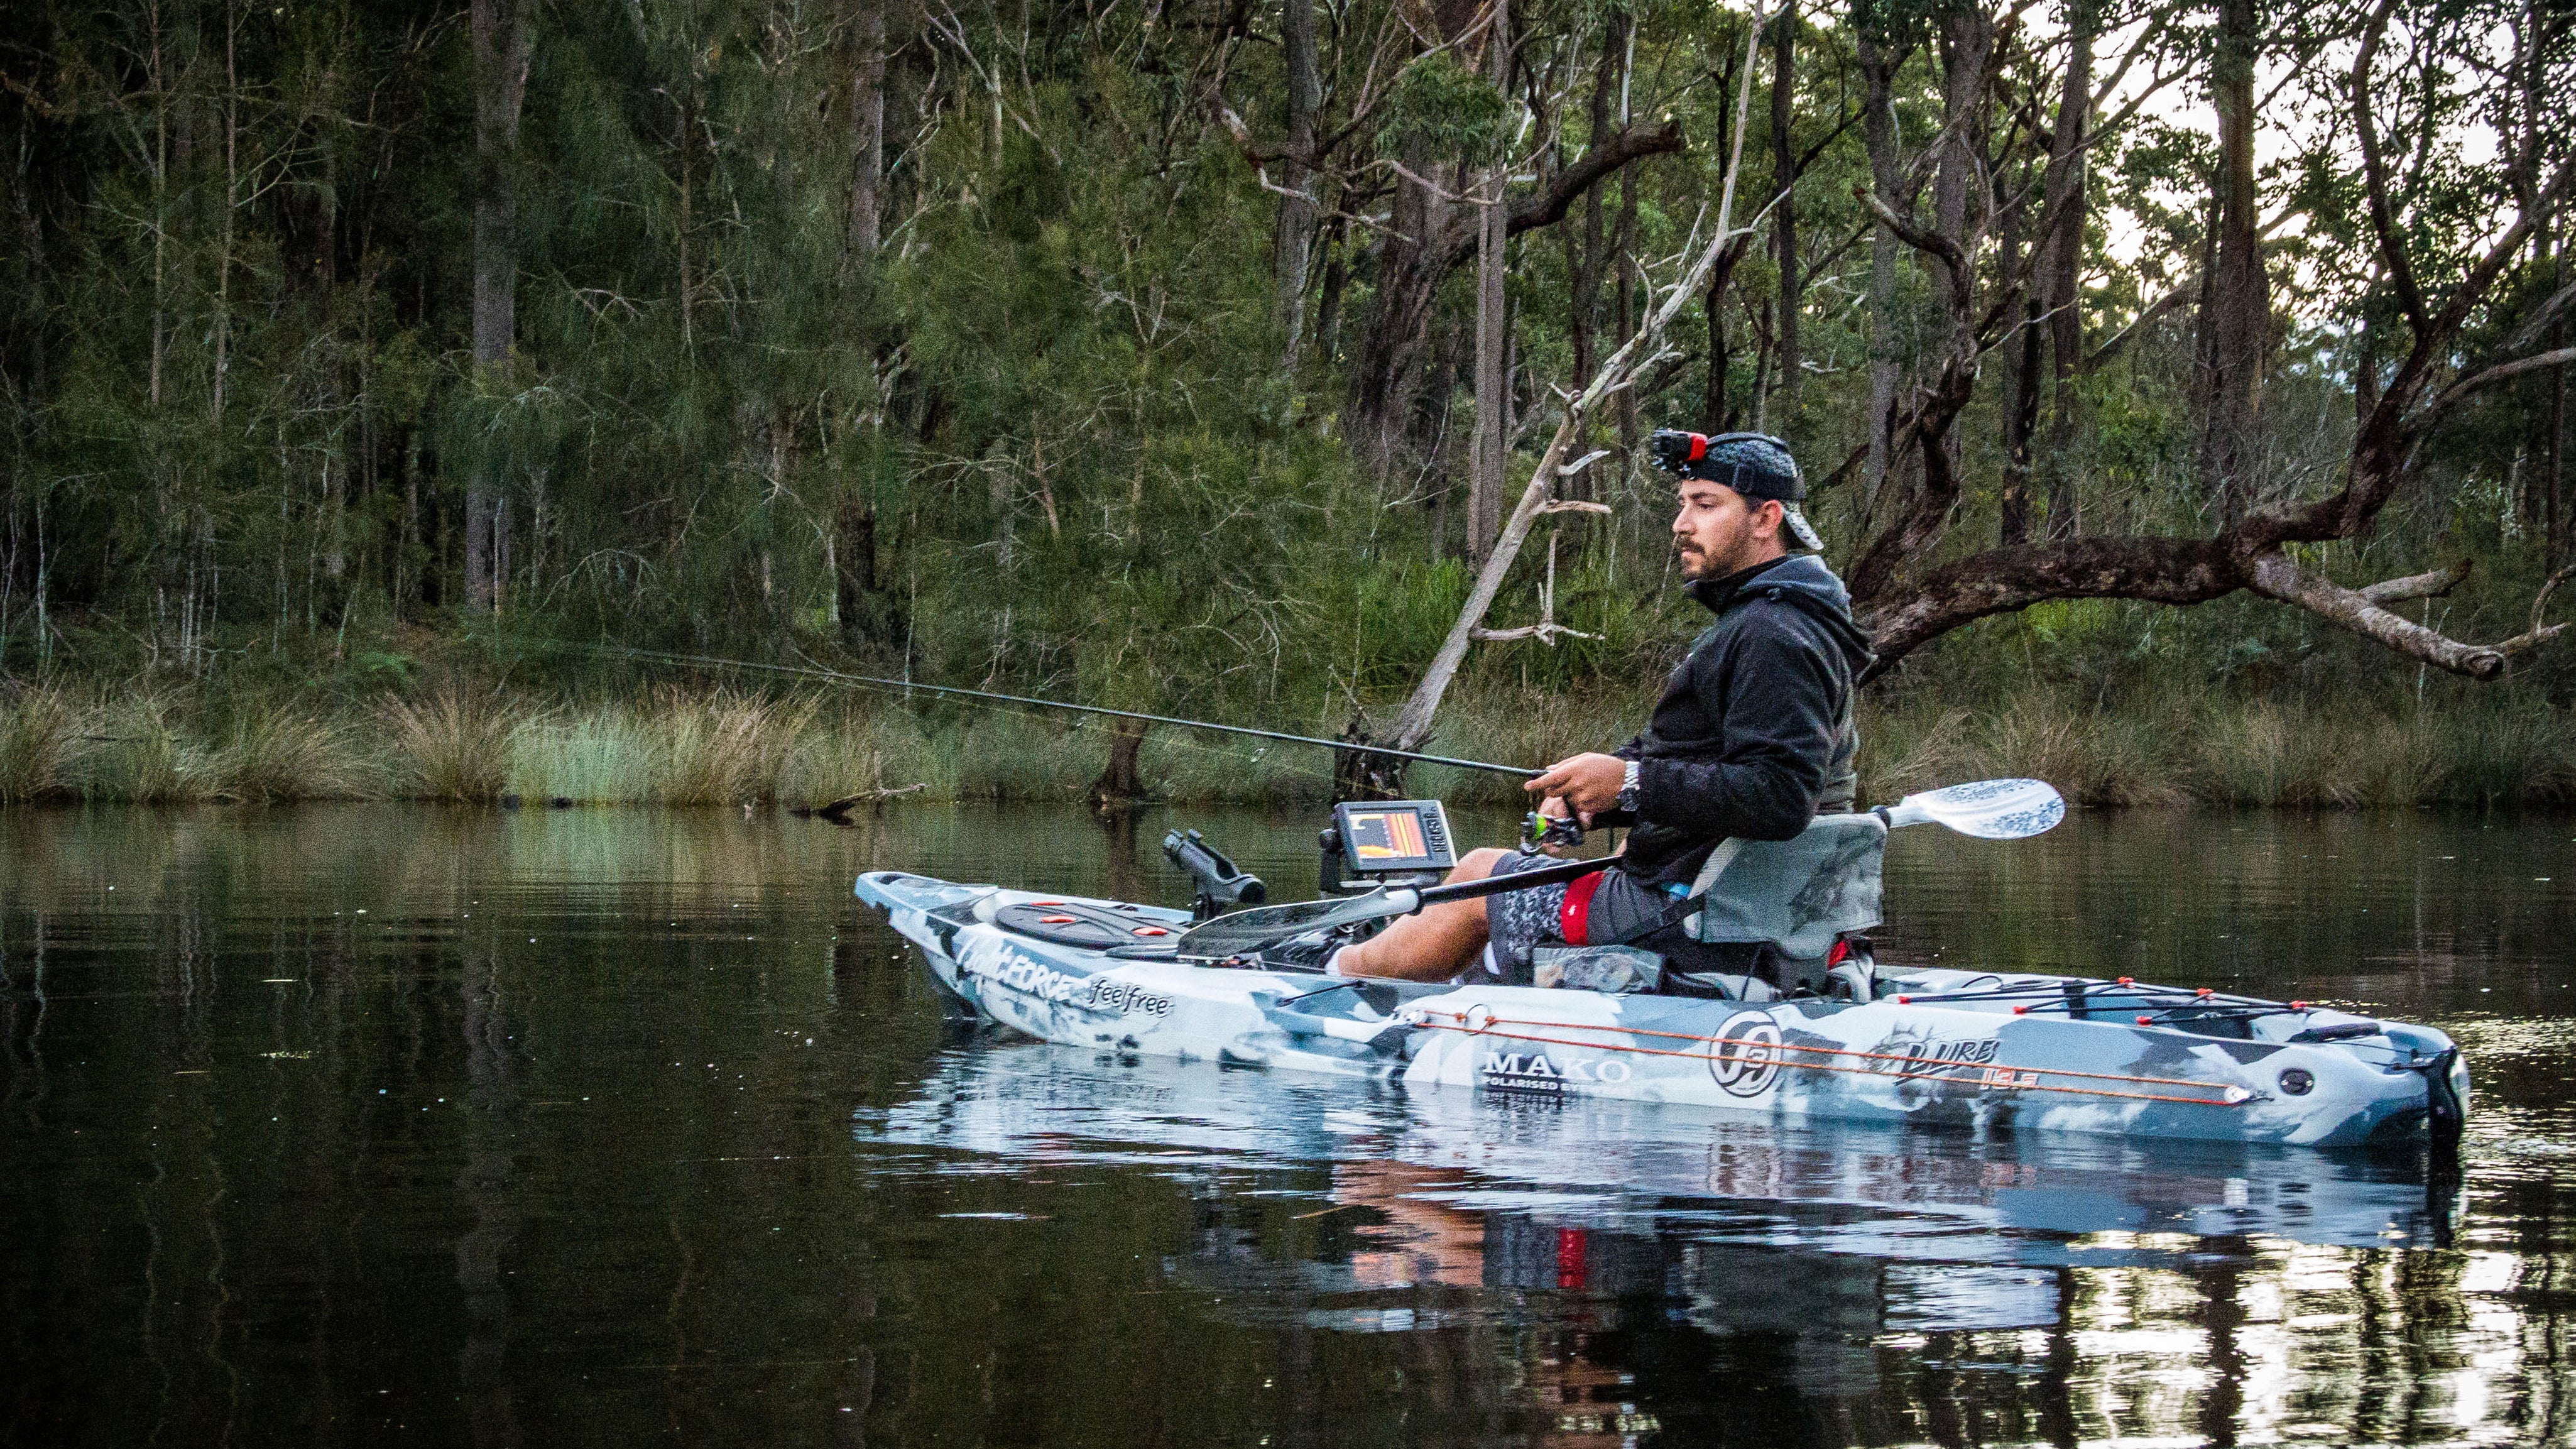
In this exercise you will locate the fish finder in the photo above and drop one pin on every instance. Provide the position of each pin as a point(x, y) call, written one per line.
point(1386, 842)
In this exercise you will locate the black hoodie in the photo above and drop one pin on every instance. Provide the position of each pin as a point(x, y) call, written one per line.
point(1754, 733)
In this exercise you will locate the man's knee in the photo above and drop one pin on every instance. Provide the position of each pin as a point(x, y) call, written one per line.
point(1476, 864)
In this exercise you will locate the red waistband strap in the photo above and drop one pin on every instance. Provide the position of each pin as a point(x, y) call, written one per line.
point(1574, 918)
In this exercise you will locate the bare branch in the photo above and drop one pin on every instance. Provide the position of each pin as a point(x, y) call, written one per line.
point(1999, 581)
point(1642, 349)
point(2538, 633)
point(2275, 577)
point(2540, 318)
point(2418, 586)
point(2118, 342)
point(1548, 205)
point(2559, 357)
point(1931, 243)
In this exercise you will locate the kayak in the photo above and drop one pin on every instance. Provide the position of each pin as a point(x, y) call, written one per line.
point(1994, 1052)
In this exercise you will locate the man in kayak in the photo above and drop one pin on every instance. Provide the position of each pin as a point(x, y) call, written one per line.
point(1752, 737)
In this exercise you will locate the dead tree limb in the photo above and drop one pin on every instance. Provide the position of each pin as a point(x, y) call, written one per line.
point(2274, 576)
point(2421, 586)
point(1640, 351)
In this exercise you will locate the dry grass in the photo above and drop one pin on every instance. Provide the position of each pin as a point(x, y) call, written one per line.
point(723, 748)
point(276, 753)
point(41, 739)
point(461, 743)
point(453, 745)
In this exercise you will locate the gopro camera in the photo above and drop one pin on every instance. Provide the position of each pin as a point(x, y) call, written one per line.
point(1675, 450)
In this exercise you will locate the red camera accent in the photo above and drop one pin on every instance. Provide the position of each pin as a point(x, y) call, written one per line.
point(1699, 447)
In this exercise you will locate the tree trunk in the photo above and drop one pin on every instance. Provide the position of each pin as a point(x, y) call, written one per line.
point(2018, 429)
point(1293, 247)
point(1624, 254)
point(1583, 260)
point(1784, 215)
point(1328, 305)
point(2062, 261)
point(1878, 129)
point(1391, 342)
point(2556, 542)
point(500, 82)
point(867, 125)
point(1967, 43)
point(1493, 321)
point(2021, 418)
point(1721, 357)
point(2236, 315)
point(2548, 483)
point(1120, 781)
point(854, 568)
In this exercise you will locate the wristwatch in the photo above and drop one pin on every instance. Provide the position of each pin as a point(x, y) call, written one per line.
point(1628, 789)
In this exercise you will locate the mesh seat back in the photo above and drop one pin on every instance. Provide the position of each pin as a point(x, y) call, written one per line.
point(1797, 894)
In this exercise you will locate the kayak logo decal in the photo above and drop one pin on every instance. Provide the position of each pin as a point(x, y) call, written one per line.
point(1504, 1071)
point(1024, 974)
point(1126, 999)
point(1931, 1058)
point(1029, 976)
point(1745, 1059)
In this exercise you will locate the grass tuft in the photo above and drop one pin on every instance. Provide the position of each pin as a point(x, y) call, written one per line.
point(41, 739)
point(454, 745)
point(276, 754)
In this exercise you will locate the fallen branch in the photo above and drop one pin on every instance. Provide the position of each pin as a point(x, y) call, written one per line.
point(838, 811)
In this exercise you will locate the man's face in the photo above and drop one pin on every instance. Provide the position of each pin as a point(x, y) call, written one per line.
point(1720, 531)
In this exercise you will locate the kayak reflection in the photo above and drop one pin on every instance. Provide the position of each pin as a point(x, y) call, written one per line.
point(1637, 1271)
point(1890, 1192)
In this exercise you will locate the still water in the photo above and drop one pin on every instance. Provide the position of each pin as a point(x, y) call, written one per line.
point(384, 1124)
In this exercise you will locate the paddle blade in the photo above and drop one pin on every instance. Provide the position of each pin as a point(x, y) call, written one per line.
point(1986, 809)
point(1242, 931)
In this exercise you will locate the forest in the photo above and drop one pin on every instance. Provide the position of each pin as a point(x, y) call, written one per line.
point(2181, 387)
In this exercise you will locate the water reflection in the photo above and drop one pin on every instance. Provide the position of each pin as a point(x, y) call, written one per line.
point(342, 1125)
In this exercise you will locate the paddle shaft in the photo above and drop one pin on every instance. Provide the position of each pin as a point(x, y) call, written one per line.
point(1494, 885)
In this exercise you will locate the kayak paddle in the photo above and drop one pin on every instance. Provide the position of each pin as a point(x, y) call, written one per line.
point(1983, 809)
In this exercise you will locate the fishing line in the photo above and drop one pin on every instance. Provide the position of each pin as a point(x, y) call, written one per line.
point(870, 681)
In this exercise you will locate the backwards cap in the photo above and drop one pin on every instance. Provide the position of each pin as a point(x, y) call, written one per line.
point(1756, 465)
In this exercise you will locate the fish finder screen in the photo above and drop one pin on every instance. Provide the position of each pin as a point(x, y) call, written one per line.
point(1395, 835)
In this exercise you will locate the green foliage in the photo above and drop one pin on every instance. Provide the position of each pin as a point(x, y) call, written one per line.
point(1440, 104)
point(1043, 437)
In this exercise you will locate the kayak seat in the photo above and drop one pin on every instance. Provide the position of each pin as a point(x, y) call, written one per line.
point(1078, 923)
point(1798, 896)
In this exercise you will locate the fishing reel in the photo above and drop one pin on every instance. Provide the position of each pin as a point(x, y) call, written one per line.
point(1539, 832)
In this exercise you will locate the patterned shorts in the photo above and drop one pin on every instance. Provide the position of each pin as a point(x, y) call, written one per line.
point(1614, 907)
point(1518, 922)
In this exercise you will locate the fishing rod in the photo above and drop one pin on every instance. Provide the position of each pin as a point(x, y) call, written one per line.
point(709, 661)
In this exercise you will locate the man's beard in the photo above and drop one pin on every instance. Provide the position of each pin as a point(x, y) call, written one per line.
point(1698, 563)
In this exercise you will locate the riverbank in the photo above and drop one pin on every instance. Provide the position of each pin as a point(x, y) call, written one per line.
point(708, 746)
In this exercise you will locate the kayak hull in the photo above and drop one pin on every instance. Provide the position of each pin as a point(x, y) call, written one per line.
point(1970, 1061)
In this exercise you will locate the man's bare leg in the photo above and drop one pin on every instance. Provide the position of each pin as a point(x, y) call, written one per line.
point(1434, 944)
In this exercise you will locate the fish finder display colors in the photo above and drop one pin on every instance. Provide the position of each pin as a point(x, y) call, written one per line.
point(1380, 837)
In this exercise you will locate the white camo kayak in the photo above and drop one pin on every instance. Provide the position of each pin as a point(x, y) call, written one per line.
point(1993, 1052)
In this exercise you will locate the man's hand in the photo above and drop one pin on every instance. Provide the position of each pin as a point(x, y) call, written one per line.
point(1588, 783)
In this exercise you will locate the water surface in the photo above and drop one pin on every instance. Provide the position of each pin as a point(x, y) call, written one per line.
point(371, 1124)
